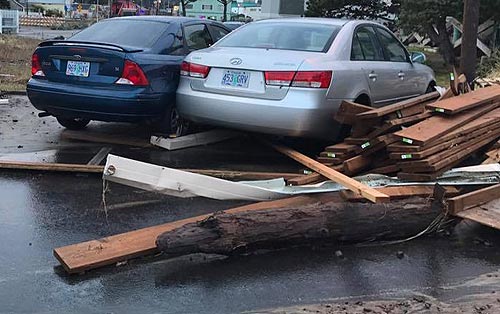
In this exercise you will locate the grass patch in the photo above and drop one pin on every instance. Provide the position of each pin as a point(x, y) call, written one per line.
point(15, 61)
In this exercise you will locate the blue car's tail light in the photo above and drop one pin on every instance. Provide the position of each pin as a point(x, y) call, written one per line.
point(132, 75)
point(36, 67)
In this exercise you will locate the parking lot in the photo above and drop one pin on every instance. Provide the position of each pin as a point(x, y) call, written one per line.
point(41, 210)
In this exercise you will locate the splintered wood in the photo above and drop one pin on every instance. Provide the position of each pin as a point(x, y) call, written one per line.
point(417, 139)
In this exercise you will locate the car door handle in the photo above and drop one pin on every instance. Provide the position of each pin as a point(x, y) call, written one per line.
point(372, 76)
point(401, 75)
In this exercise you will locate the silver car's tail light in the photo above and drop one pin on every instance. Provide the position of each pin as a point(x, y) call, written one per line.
point(279, 78)
point(312, 79)
point(36, 68)
point(309, 79)
point(194, 70)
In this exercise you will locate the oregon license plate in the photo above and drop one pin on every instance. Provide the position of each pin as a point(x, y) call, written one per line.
point(78, 68)
point(236, 78)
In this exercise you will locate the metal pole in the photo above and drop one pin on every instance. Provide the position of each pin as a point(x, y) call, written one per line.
point(97, 11)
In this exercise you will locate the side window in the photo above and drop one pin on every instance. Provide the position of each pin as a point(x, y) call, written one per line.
point(370, 47)
point(356, 52)
point(394, 51)
point(177, 48)
point(218, 32)
point(197, 36)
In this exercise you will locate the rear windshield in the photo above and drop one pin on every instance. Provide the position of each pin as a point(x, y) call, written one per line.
point(285, 36)
point(124, 32)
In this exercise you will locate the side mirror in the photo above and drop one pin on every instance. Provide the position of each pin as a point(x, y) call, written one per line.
point(418, 57)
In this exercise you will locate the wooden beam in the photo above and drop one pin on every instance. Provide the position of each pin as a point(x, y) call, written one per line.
point(93, 254)
point(379, 112)
point(223, 174)
point(26, 165)
point(487, 214)
point(192, 140)
point(399, 192)
point(353, 185)
point(467, 101)
point(473, 199)
point(437, 126)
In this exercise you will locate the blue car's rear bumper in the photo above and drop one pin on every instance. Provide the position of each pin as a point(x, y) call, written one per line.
point(116, 103)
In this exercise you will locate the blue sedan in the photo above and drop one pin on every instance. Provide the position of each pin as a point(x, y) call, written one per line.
point(121, 69)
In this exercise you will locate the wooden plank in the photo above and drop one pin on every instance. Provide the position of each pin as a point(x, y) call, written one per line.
point(312, 178)
point(93, 254)
point(467, 101)
point(436, 126)
point(473, 199)
point(490, 119)
point(380, 112)
point(441, 160)
point(192, 140)
point(104, 138)
point(307, 179)
point(455, 155)
point(399, 192)
point(99, 157)
point(487, 214)
point(347, 111)
point(341, 148)
point(437, 148)
point(244, 175)
point(356, 164)
point(407, 112)
point(223, 174)
point(368, 192)
point(4, 101)
point(58, 167)
point(389, 169)
point(410, 119)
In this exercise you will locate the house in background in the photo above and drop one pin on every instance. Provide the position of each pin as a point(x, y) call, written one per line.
point(247, 9)
point(207, 9)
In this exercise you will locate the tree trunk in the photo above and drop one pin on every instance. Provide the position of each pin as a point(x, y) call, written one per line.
point(442, 39)
point(224, 17)
point(332, 221)
point(468, 56)
point(183, 7)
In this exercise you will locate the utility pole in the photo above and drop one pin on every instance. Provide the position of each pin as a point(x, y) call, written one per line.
point(468, 56)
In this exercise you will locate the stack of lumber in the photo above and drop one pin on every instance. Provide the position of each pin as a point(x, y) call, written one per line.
point(417, 139)
point(371, 133)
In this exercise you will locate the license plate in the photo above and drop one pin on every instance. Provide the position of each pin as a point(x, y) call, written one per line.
point(78, 68)
point(236, 78)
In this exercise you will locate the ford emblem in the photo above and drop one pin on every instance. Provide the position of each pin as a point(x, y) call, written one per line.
point(236, 61)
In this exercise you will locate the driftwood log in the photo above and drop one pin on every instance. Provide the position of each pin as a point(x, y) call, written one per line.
point(330, 220)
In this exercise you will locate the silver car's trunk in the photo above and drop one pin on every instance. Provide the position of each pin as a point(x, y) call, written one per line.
point(249, 65)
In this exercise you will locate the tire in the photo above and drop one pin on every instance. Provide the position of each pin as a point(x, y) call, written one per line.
point(430, 89)
point(171, 123)
point(73, 124)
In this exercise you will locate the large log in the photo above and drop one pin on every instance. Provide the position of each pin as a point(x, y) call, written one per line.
point(333, 221)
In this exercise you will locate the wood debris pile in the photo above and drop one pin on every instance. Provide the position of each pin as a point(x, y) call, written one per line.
point(417, 139)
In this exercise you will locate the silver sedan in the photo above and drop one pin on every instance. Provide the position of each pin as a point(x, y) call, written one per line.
point(289, 76)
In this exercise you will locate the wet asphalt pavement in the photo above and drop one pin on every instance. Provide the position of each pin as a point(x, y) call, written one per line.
point(40, 211)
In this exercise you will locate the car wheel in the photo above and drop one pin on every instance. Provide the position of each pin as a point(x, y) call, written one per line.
point(171, 123)
point(73, 124)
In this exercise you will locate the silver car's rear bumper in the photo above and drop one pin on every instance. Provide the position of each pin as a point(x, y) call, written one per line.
point(303, 112)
